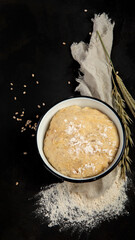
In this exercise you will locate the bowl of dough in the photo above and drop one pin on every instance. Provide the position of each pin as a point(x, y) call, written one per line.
point(81, 139)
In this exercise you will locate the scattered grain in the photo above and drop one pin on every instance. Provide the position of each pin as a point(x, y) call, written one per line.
point(38, 106)
point(15, 98)
point(34, 127)
point(85, 10)
point(43, 104)
point(17, 183)
point(24, 92)
point(23, 129)
point(69, 82)
point(37, 82)
point(27, 123)
point(19, 119)
point(64, 43)
point(25, 153)
point(33, 75)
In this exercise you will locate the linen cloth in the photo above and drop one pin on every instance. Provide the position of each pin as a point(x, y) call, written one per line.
point(96, 79)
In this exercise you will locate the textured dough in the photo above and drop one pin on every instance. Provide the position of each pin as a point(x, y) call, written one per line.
point(80, 142)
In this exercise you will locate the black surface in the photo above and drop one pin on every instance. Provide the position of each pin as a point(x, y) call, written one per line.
point(31, 36)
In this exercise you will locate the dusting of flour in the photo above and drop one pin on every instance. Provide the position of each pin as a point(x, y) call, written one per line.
point(62, 205)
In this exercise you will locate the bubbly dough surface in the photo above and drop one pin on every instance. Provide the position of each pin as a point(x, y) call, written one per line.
point(80, 142)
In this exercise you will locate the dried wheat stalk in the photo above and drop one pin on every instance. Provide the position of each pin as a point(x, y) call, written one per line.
point(119, 103)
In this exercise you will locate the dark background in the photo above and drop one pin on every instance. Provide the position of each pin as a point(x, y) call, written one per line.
point(31, 37)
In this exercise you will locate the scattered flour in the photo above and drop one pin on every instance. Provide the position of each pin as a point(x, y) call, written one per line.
point(84, 205)
point(72, 128)
point(79, 143)
point(82, 169)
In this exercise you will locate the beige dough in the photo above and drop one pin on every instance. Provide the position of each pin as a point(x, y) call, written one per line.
point(80, 142)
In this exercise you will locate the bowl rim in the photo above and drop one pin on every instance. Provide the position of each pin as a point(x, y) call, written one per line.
point(100, 175)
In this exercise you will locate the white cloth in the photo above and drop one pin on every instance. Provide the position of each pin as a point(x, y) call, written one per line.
point(96, 79)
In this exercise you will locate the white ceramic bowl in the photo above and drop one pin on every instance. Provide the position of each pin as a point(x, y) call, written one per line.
point(82, 102)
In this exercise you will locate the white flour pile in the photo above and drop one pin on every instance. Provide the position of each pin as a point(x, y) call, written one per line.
point(85, 205)
point(65, 206)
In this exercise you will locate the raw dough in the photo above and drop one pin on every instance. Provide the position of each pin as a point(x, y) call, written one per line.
point(80, 142)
